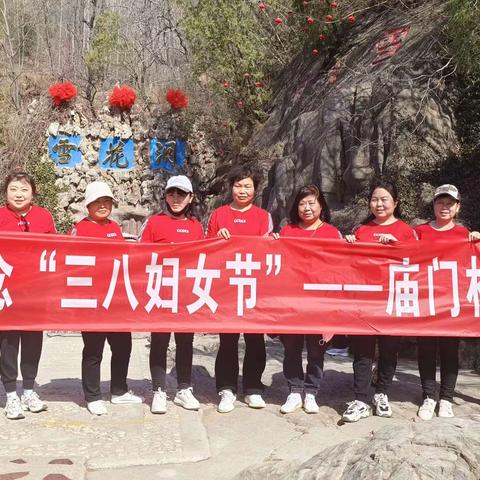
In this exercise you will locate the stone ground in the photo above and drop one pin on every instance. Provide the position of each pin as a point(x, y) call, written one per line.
point(68, 443)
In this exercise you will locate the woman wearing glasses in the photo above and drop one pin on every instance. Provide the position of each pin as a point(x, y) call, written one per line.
point(20, 215)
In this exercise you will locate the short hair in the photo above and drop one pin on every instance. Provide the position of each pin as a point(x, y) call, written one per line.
point(19, 176)
point(244, 171)
point(305, 192)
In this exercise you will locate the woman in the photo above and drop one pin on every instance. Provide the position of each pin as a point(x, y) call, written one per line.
point(176, 225)
point(309, 218)
point(240, 217)
point(99, 204)
point(383, 226)
point(446, 205)
point(20, 215)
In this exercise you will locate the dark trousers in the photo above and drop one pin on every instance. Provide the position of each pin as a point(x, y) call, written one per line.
point(339, 341)
point(93, 344)
point(226, 363)
point(293, 366)
point(183, 359)
point(363, 356)
point(30, 357)
point(427, 365)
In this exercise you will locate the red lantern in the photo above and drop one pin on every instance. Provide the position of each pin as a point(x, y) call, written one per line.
point(351, 19)
point(62, 92)
point(322, 37)
point(315, 51)
point(328, 18)
point(333, 5)
point(278, 21)
point(225, 84)
point(177, 99)
point(310, 20)
point(122, 97)
point(262, 7)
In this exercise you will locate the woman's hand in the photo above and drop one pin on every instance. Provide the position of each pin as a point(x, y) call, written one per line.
point(387, 238)
point(350, 238)
point(224, 233)
point(275, 235)
point(474, 236)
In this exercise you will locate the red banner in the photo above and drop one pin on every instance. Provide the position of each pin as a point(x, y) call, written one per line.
point(246, 284)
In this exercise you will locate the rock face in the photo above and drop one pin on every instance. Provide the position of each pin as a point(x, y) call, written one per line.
point(440, 449)
point(341, 118)
point(138, 191)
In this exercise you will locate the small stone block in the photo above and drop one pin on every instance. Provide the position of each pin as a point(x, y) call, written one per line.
point(61, 461)
point(13, 476)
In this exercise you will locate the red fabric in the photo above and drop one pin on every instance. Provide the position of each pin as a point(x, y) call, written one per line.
point(429, 234)
point(122, 97)
point(258, 284)
point(39, 220)
point(254, 221)
point(325, 231)
point(177, 99)
point(87, 228)
point(62, 92)
point(371, 231)
point(165, 229)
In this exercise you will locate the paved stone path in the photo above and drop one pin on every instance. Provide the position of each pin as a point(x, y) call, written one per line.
point(76, 441)
point(130, 443)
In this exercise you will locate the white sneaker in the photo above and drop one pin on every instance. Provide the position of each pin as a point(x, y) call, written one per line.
point(427, 409)
point(97, 407)
point(126, 398)
point(310, 404)
point(337, 352)
point(382, 407)
point(445, 409)
point(293, 402)
point(255, 401)
point(13, 408)
point(227, 401)
point(159, 402)
point(355, 411)
point(185, 399)
point(33, 403)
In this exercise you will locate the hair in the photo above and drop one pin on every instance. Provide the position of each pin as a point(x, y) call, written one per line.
point(305, 192)
point(391, 188)
point(19, 176)
point(187, 211)
point(242, 172)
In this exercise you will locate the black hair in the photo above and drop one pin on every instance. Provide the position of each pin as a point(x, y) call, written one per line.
point(391, 188)
point(19, 176)
point(242, 172)
point(305, 192)
point(187, 211)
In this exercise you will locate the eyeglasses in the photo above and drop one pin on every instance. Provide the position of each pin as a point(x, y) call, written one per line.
point(23, 224)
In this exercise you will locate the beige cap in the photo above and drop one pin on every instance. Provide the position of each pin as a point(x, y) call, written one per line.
point(96, 190)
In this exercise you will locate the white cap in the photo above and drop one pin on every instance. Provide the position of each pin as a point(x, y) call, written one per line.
point(447, 189)
point(181, 182)
point(96, 190)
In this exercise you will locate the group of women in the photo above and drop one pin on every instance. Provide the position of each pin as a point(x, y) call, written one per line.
point(309, 218)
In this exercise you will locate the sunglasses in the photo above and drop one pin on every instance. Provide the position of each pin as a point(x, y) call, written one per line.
point(23, 224)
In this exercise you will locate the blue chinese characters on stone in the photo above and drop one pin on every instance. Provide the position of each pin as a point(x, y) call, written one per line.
point(64, 150)
point(116, 153)
point(167, 155)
